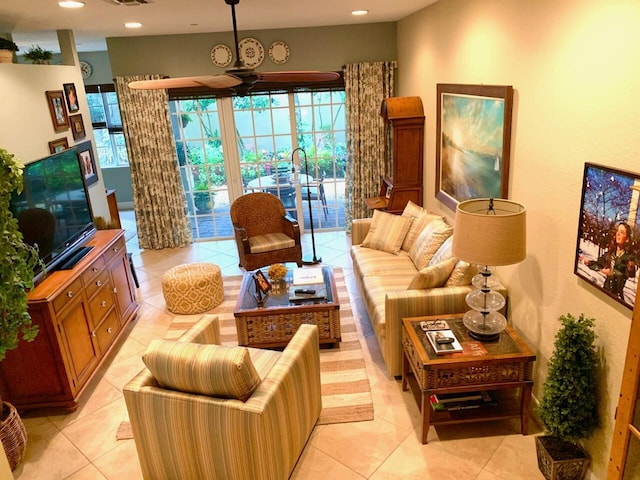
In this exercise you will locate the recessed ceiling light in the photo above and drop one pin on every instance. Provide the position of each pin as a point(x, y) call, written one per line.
point(132, 25)
point(71, 4)
point(359, 12)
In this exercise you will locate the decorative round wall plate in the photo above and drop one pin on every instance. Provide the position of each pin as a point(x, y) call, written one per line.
point(221, 55)
point(279, 52)
point(251, 52)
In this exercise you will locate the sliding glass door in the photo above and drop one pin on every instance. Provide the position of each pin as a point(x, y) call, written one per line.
point(231, 146)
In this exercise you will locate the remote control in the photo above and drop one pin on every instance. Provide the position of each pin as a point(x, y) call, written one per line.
point(305, 291)
point(444, 340)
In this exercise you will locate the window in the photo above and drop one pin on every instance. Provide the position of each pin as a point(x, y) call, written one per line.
point(107, 125)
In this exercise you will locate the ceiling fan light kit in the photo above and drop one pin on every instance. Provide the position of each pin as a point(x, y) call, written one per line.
point(241, 77)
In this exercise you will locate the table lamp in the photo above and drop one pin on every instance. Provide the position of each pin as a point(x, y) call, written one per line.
point(488, 232)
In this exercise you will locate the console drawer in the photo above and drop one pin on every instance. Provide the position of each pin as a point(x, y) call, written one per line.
point(71, 292)
point(101, 303)
point(101, 279)
point(108, 330)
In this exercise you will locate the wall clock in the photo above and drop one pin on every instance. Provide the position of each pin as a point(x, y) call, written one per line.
point(86, 69)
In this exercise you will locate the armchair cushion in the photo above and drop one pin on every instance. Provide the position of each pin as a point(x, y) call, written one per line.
point(387, 232)
point(270, 241)
point(214, 370)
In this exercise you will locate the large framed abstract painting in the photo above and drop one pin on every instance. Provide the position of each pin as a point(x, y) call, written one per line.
point(608, 232)
point(474, 142)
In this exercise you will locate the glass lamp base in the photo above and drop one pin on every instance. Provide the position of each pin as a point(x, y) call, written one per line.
point(485, 327)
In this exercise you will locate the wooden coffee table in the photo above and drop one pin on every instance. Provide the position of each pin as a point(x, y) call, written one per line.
point(503, 367)
point(275, 323)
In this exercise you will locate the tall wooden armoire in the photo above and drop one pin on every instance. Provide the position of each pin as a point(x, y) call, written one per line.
point(405, 117)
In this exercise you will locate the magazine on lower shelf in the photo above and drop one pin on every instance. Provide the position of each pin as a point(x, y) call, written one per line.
point(462, 401)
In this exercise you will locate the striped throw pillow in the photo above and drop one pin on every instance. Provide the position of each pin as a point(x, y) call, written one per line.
point(428, 242)
point(433, 276)
point(213, 370)
point(387, 232)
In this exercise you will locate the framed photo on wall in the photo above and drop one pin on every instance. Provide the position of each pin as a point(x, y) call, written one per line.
point(607, 248)
point(473, 142)
point(71, 97)
point(77, 126)
point(87, 162)
point(58, 145)
point(58, 110)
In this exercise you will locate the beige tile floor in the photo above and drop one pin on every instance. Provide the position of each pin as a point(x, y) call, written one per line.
point(83, 445)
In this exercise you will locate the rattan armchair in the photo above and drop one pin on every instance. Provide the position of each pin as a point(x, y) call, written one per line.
point(264, 233)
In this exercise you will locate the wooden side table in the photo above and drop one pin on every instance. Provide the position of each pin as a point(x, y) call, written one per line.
point(504, 367)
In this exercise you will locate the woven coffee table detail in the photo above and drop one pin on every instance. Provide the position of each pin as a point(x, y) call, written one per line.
point(193, 288)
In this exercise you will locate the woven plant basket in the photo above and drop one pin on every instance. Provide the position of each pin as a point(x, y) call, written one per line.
point(13, 435)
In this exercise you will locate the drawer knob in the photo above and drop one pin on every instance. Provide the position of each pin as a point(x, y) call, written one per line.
point(95, 269)
point(69, 294)
point(94, 334)
point(115, 249)
point(115, 289)
point(103, 303)
point(99, 283)
point(109, 330)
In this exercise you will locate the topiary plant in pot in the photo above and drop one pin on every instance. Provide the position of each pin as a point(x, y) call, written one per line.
point(569, 405)
point(16, 278)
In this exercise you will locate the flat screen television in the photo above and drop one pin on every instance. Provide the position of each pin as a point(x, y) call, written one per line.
point(54, 211)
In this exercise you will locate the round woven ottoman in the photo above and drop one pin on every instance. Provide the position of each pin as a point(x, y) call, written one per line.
point(192, 288)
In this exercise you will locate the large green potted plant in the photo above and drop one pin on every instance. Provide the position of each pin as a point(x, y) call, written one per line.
point(38, 55)
point(16, 278)
point(7, 47)
point(569, 405)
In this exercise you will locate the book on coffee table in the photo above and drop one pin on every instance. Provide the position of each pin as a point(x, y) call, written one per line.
point(307, 276)
point(443, 341)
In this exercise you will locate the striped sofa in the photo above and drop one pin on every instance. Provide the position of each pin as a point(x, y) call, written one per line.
point(190, 436)
point(394, 287)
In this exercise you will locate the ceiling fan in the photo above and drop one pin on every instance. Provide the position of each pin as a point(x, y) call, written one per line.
point(239, 78)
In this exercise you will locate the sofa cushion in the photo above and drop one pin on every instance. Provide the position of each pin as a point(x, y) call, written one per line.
point(387, 232)
point(420, 219)
point(368, 262)
point(213, 370)
point(428, 242)
point(462, 274)
point(443, 253)
point(433, 275)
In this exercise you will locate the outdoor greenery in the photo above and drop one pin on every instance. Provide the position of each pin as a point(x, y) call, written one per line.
point(207, 158)
point(569, 404)
point(19, 260)
point(8, 45)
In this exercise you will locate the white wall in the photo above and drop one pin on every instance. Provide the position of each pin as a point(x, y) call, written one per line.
point(575, 68)
point(25, 123)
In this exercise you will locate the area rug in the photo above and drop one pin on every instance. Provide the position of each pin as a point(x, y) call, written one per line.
point(346, 392)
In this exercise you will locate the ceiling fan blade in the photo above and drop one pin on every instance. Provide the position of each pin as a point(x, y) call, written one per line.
point(309, 76)
point(210, 81)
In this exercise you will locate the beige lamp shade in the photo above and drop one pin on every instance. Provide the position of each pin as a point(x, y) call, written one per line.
point(490, 232)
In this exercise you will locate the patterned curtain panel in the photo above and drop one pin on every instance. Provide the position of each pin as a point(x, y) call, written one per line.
point(366, 85)
point(158, 196)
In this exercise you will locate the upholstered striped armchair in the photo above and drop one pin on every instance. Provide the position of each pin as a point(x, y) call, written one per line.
point(264, 233)
point(191, 436)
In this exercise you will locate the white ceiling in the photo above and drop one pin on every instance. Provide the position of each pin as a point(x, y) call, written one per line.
point(34, 22)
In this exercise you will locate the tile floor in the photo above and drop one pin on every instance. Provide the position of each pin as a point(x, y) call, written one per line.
point(83, 445)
